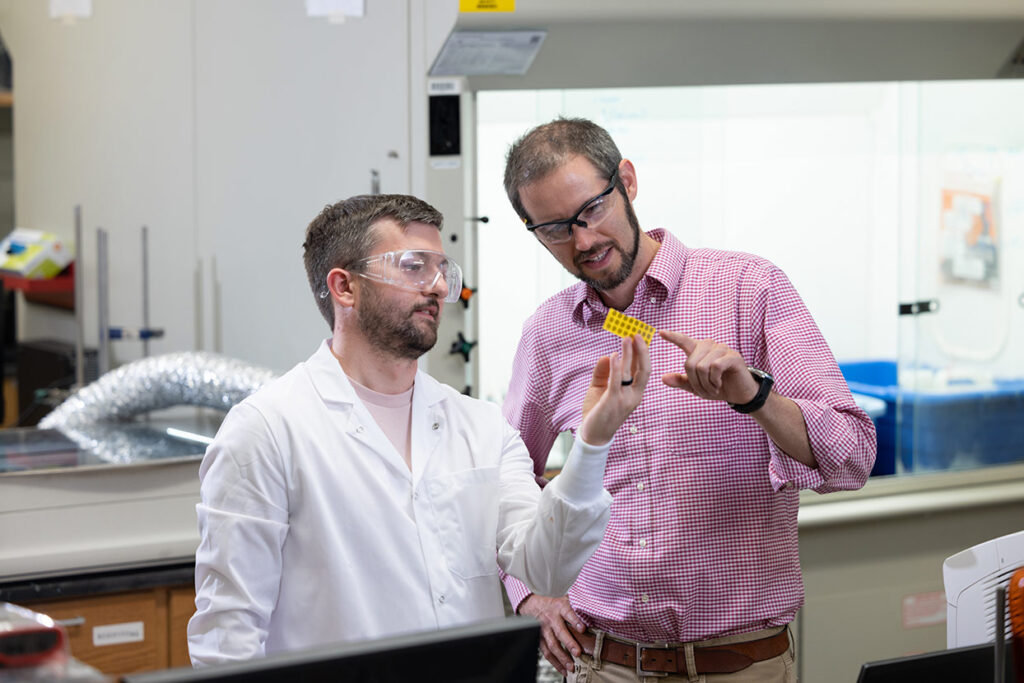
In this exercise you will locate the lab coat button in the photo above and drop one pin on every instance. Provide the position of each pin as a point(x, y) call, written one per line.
point(440, 599)
point(359, 429)
point(435, 426)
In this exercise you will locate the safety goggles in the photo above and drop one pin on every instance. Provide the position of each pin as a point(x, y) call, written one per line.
point(413, 269)
point(590, 215)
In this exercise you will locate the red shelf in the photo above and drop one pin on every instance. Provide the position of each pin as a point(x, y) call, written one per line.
point(55, 291)
point(65, 282)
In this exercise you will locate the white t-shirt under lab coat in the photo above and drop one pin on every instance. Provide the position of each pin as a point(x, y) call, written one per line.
point(314, 530)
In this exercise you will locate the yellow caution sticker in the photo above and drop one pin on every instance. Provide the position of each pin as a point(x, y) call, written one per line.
point(487, 5)
point(625, 326)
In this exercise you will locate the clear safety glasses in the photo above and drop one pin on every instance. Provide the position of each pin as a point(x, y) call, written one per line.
point(413, 269)
point(590, 215)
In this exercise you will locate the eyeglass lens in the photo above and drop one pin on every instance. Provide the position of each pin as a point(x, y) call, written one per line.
point(589, 216)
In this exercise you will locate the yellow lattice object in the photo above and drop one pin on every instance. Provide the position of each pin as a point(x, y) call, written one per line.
point(625, 326)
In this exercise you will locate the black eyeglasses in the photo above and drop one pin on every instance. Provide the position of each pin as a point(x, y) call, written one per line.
point(590, 215)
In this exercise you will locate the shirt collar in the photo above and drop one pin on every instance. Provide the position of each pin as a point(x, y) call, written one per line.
point(661, 280)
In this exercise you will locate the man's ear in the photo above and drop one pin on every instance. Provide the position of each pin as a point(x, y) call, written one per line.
point(627, 174)
point(340, 285)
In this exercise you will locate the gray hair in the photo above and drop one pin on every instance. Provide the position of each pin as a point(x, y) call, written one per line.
point(343, 234)
point(548, 146)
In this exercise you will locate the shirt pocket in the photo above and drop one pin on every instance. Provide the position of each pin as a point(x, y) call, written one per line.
point(465, 506)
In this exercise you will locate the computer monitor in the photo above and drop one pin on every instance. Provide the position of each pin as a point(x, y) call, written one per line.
point(972, 663)
point(494, 651)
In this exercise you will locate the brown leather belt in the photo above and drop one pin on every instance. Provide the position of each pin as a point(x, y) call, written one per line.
point(714, 659)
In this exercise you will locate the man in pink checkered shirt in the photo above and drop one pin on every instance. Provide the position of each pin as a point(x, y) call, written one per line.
point(698, 574)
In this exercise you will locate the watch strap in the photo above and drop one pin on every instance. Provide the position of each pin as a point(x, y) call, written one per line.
point(765, 382)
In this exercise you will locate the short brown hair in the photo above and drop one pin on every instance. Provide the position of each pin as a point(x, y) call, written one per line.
point(548, 146)
point(343, 234)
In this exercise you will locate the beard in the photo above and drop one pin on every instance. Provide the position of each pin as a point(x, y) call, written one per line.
point(396, 332)
point(628, 257)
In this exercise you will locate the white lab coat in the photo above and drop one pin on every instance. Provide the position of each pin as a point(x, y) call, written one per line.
point(314, 530)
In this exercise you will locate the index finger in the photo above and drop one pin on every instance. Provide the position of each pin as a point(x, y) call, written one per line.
point(683, 341)
point(641, 365)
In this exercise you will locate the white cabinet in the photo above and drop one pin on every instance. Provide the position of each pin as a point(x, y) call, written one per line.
point(222, 125)
point(293, 113)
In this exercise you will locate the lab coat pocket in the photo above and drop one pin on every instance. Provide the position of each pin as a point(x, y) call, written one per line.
point(465, 507)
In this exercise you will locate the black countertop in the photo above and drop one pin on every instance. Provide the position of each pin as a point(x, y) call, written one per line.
point(114, 580)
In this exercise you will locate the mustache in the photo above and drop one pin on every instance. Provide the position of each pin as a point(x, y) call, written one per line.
point(431, 306)
point(583, 256)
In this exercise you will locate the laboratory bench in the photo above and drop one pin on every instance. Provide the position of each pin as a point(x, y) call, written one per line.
point(98, 530)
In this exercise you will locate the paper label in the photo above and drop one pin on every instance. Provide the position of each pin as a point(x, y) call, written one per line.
point(116, 634)
point(487, 5)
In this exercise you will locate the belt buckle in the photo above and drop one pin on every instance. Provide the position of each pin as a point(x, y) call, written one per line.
point(640, 672)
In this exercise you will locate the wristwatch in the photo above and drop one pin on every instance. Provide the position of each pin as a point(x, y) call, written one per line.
point(765, 382)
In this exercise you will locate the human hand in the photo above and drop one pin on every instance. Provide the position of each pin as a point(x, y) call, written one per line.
point(556, 617)
point(608, 402)
point(713, 371)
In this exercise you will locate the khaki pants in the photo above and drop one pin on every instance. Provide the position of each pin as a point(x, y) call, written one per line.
point(781, 669)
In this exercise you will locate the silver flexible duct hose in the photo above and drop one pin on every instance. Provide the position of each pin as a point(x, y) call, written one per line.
point(195, 378)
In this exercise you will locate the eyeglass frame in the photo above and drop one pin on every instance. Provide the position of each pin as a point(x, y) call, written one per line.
point(454, 290)
point(575, 220)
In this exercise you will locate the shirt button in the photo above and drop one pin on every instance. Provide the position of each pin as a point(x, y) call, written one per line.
point(643, 542)
point(644, 599)
point(654, 299)
point(640, 486)
point(633, 429)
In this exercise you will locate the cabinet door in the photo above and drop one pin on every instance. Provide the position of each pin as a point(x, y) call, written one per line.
point(117, 633)
point(181, 605)
point(104, 119)
point(292, 113)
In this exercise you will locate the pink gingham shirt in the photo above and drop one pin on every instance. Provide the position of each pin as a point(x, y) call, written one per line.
point(702, 540)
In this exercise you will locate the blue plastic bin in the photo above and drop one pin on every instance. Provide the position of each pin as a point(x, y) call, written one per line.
point(939, 430)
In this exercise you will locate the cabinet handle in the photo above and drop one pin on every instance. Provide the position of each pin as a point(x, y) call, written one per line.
point(68, 623)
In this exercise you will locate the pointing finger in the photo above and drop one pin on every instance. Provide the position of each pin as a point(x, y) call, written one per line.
point(683, 341)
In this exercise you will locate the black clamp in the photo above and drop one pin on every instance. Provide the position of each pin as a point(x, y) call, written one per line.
point(463, 346)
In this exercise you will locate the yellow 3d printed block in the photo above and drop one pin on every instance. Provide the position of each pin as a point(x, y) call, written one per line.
point(625, 326)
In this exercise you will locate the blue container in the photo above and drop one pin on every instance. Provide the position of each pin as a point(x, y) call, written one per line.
point(878, 379)
point(962, 428)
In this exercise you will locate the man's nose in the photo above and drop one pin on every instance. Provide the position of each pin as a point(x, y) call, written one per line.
point(583, 238)
point(439, 286)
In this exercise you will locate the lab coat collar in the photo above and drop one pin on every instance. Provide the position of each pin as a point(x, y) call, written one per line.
point(429, 422)
point(333, 384)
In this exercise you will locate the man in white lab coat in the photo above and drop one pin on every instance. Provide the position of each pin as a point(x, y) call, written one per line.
point(356, 497)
